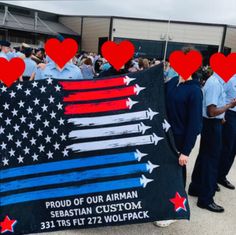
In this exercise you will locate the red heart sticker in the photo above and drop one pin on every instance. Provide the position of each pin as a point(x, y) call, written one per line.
point(117, 54)
point(11, 70)
point(185, 64)
point(224, 66)
point(61, 52)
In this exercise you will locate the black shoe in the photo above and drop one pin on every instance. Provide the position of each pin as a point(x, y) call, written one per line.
point(226, 184)
point(217, 188)
point(211, 207)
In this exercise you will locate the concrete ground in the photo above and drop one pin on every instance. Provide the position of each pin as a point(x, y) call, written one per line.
point(202, 221)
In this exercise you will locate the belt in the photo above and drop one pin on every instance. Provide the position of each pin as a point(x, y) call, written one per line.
point(213, 119)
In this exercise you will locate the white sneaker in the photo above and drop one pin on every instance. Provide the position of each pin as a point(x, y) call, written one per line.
point(164, 223)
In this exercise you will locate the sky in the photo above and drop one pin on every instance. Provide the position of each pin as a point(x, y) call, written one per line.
point(205, 11)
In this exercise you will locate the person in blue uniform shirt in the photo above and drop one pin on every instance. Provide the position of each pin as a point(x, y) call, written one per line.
point(51, 70)
point(205, 173)
point(5, 49)
point(30, 66)
point(11, 54)
point(229, 136)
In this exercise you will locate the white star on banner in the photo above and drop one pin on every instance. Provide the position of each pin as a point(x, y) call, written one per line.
point(34, 84)
point(20, 159)
point(36, 101)
point(35, 157)
point(5, 162)
point(3, 145)
point(27, 92)
point(33, 141)
point(19, 86)
point(21, 104)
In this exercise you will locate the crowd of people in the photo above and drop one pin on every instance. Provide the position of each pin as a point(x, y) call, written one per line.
point(203, 104)
point(84, 65)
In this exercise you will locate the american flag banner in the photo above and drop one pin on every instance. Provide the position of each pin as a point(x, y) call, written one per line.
point(87, 153)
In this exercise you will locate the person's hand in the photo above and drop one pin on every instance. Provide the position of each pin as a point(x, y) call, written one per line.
point(183, 159)
point(233, 103)
point(42, 66)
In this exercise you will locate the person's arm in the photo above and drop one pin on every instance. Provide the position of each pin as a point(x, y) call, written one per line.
point(212, 94)
point(193, 125)
point(33, 73)
point(38, 74)
point(93, 70)
point(213, 111)
point(32, 76)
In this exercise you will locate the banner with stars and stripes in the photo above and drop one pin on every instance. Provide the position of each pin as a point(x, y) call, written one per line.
point(88, 153)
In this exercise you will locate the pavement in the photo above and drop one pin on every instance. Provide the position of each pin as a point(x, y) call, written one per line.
point(202, 222)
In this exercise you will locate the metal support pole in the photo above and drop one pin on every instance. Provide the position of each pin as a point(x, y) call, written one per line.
point(35, 20)
point(42, 22)
point(5, 15)
point(167, 40)
point(14, 18)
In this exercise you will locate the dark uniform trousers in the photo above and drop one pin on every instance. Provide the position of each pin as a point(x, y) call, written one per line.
point(229, 145)
point(205, 173)
point(179, 142)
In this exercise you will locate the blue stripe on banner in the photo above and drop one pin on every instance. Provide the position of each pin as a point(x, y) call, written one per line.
point(68, 164)
point(73, 177)
point(70, 191)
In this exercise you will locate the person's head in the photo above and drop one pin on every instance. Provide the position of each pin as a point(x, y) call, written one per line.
point(28, 52)
point(5, 46)
point(40, 53)
point(88, 61)
point(186, 50)
point(145, 63)
point(140, 63)
point(23, 47)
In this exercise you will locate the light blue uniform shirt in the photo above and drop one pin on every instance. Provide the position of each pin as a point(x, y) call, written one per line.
point(214, 94)
point(87, 71)
point(3, 55)
point(10, 55)
point(230, 90)
point(20, 54)
point(70, 71)
point(30, 67)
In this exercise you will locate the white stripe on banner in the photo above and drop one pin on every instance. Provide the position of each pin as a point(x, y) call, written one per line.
point(115, 143)
point(109, 131)
point(114, 119)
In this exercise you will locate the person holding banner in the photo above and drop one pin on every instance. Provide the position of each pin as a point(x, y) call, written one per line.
point(184, 111)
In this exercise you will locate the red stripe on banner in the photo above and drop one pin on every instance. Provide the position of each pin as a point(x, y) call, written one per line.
point(101, 94)
point(93, 84)
point(97, 107)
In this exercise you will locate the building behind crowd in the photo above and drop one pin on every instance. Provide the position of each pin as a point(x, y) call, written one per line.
point(149, 36)
point(18, 24)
